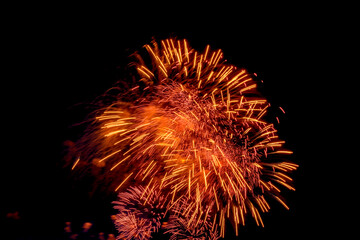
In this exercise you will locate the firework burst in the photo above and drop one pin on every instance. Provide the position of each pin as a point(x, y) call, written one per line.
point(140, 213)
point(192, 127)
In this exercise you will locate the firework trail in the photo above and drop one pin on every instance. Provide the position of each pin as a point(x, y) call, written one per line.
point(192, 127)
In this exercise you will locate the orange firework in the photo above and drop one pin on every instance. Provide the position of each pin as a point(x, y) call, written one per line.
point(192, 128)
point(140, 213)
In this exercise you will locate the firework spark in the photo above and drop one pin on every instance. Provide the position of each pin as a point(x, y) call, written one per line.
point(192, 127)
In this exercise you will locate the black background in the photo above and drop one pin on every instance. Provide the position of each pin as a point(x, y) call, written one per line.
point(62, 59)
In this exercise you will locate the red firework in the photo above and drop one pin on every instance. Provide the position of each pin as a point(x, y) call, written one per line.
point(193, 127)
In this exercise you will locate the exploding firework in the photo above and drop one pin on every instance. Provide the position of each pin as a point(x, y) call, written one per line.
point(140, 213)
point(192, 127)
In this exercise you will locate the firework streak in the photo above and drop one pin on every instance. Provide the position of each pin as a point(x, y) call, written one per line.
point(193, 131)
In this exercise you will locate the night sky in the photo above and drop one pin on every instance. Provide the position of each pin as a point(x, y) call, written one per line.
point(58, 64)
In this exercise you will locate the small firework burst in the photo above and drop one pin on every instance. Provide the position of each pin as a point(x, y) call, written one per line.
point(131, 227)
point(192, 127)
point(140, 213)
